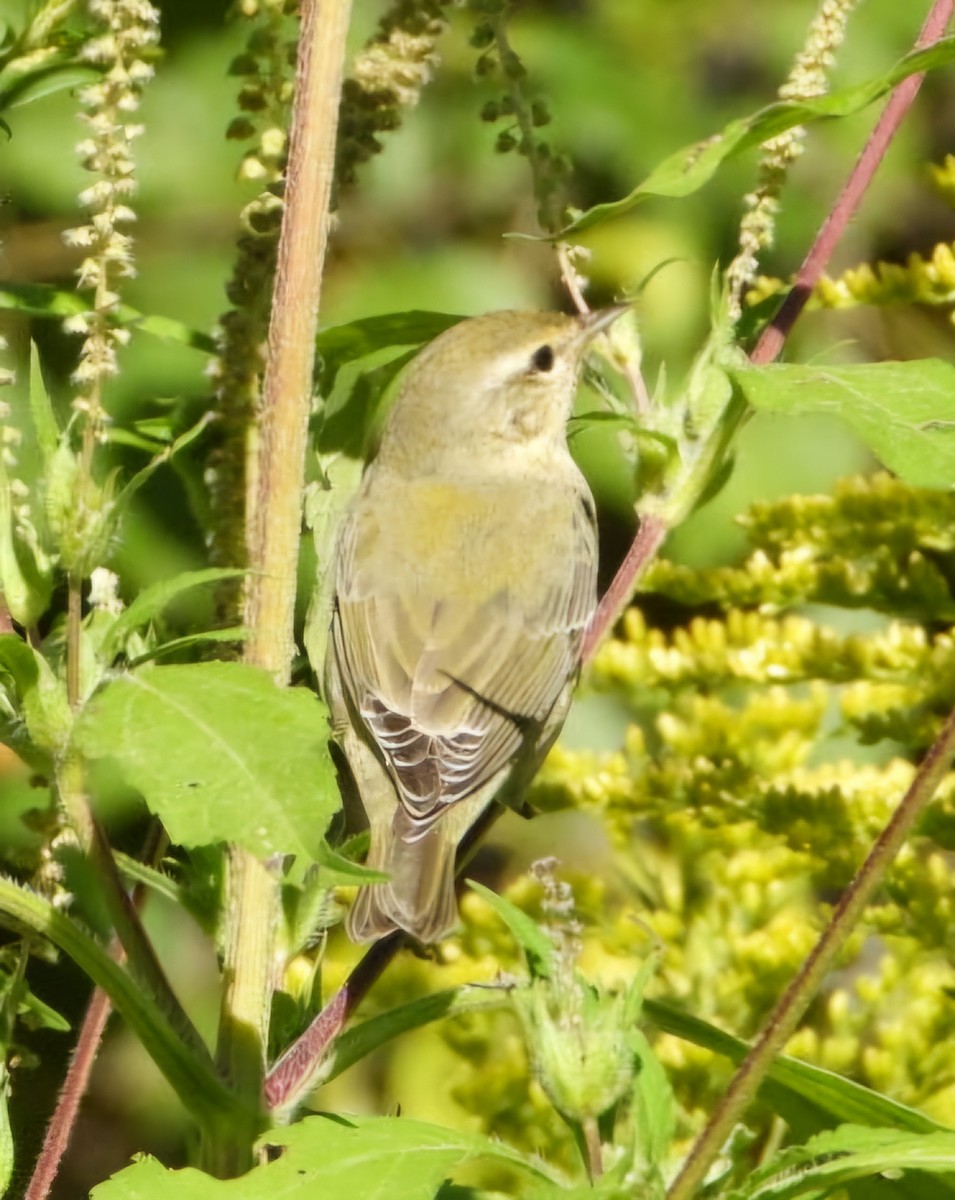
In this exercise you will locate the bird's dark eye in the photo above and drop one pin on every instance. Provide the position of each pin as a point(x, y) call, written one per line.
point(543, 358)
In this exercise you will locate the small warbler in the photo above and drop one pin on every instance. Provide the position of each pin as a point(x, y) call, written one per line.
point(465, 577)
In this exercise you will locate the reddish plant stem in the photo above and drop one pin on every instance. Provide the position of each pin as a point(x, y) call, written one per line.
point(300, 1066)
point(650, 536)
point(56, 1140)
point(773, 337)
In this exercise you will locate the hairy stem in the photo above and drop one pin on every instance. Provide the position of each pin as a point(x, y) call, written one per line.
point(591, 1132)
point(74, 616)
point(277, 514)
point(300, 1068)
point(252, 914)
point(60, 1128)
point(275, 520)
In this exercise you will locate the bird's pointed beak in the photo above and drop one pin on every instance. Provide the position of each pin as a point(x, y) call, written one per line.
point(596, 322)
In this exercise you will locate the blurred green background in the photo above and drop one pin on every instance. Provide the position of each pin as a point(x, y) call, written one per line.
point(627, 82)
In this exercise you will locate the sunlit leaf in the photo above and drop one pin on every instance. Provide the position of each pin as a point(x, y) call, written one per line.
point(845, 1154)
point(903, 411)
point(42, 300)
point(219, 753)
point(371, 1158)
point(149, 603)
point(689, 169)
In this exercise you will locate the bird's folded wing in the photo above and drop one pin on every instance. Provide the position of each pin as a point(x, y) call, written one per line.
point(449, 689)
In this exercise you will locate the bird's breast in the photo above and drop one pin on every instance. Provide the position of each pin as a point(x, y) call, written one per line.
point(472, 539)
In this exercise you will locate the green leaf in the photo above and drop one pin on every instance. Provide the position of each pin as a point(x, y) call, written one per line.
point(40, 699)
point(25, 578)
point(535, 943)
point(845, 1154)
point(577, 425)
point(343, 344)
point(336, 869)
point(35, 1014)
point(39, 84)
point(41, 300)
point(219, 753)
point(654, 1115)
point(689, 169)
point(165, 455)
point(367, 1158)
point(352, 415)
point(355, 1043)
point(149, 603)
point(830, 1097)
point(157, 881)
point(234, 633)
point(41, 409)
point(903, 411)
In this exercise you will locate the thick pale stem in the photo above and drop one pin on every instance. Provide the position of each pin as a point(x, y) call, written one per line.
point(275, 516)
point(275, 521)
point(252, 908)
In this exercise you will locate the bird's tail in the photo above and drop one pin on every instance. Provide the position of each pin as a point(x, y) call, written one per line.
point(419, 895)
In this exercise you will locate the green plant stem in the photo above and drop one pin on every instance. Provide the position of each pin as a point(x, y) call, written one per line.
point(591, 1135)
point(252, 914)
point(551, 213)
point(43, 25)
point(789, 1011)
point(274, 522)
point(74, 620)
point(143, 961)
